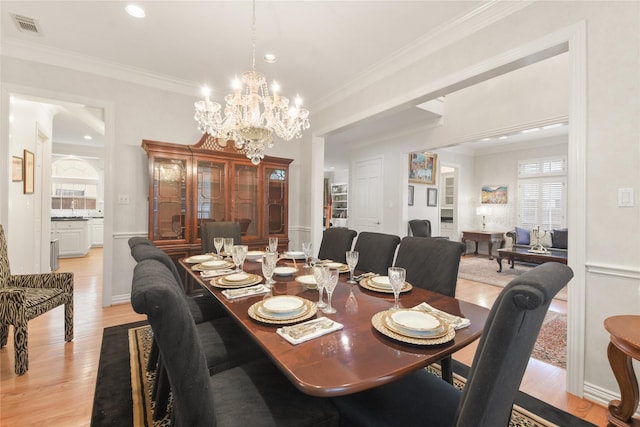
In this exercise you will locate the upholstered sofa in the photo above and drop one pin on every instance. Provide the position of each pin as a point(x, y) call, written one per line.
point(553, 239)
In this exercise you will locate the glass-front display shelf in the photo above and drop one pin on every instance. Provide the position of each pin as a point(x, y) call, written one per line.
point(245, 198)
point(275, 200)
point(211, 193)
point(169, 188)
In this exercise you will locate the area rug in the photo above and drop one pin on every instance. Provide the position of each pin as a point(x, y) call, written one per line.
point(551, 345)
point(484, 270)
point(110, 408)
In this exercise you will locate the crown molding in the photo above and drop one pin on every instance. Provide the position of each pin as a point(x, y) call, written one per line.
point(66, 59)
point(440, 37)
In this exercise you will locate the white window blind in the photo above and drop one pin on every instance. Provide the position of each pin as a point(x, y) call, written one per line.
point(542, 193)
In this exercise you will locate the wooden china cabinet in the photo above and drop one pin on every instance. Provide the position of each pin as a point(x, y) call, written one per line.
point(191, 184)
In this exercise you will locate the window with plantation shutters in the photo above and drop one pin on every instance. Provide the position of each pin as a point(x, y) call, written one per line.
point(542, 193)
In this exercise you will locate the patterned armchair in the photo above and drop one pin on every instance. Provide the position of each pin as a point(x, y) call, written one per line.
point(26, 296)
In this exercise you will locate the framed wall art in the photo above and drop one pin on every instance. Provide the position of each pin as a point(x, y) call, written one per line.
point(494, 194)
point(411, 190)
point(16, 169)
point(29, 171)
point(432, 197)
point(422, 168)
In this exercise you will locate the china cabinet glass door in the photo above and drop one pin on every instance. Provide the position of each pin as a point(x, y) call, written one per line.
point(245, 199)
point(275, 201)
point(211, 197)
point(169, 201)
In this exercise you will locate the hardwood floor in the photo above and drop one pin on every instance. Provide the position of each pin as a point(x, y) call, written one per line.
point(59, 386)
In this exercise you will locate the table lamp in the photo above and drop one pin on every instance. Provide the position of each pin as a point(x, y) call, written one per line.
point(484, 211)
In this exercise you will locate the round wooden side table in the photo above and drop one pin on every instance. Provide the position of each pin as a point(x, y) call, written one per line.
point(624, 346)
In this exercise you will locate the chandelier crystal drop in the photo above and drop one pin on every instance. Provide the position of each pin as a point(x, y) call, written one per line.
point(252, 114)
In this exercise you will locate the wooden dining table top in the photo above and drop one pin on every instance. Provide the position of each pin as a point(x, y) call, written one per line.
point(357, 357)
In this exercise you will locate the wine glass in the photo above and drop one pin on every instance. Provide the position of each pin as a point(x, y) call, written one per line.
point(307, 247)
point(268, 265)
point(397, 276)
point(228, 244)
point(273, 244)
point(352, 261)
point(239, 253)
point(218, 243)
point(320, 274)
point(330, 285)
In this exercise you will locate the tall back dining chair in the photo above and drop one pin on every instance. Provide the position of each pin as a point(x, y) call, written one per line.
point(211, 229)
point(251, 394)
point(376, 251)
point(25, 296)
point(498, 366)
point(139, 240)
point(336, 241)
point(431, 264)
point(420, 227)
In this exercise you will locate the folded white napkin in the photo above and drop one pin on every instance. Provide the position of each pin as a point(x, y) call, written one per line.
point(245, 292)
point(311, 333)
point(215, 273)
point(456, 321)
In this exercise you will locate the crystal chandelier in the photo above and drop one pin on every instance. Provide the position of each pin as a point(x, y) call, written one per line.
point(251, 115)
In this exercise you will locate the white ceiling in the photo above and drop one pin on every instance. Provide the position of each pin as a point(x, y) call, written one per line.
point(321, 46)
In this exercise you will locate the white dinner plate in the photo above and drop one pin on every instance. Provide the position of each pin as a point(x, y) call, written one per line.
point(254, 255)
point(236, 277)
point(294, 255)
point(393, 327)
point(414, 320)
point(283, 304)
point(337, 265)
point(307, 279)
point(215, 264)
point(284, 271)
point(381, 282)
point(197, 259)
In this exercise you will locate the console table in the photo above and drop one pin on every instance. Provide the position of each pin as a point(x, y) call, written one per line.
point(624, 346)
point(491, 237)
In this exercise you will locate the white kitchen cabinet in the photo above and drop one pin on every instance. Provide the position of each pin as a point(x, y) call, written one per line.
point(96, 231)
point(73, 237)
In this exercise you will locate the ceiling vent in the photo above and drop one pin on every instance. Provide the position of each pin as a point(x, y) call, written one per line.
point(26, 24)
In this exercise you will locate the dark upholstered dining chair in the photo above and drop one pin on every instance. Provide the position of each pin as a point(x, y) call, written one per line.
point(211, 229)
point(422, 399)
point(250, 394)
point(420, 227)
point(376, 251)
point(139, 240)
point(432, 264)
point(26, 296)
point(336, 241)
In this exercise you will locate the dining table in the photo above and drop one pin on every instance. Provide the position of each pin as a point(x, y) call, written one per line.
point(357, 357)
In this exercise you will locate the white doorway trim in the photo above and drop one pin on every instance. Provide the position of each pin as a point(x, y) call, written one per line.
point(109, 150)
point(571, 39)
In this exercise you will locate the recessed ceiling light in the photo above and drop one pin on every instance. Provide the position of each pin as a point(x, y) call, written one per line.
point(87, 137)
point(485, 139)
point(555, 125)
point(270, 58)
point(135, 11)
point(503, 137)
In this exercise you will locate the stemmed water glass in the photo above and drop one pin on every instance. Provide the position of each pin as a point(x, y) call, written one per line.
point(239, 253)
point(228, 244)
point(352, 261)
point(273, 244)
point(320, 274)
point(397, 276)
point(307, 247)
point(268, 265)
point(218, 243)
point(330, 285)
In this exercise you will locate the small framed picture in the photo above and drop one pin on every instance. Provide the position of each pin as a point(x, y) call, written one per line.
point(16, 169)
point(432, 197)
point(29, 171)
point(411, 195)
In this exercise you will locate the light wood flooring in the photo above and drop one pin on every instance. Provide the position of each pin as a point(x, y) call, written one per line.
point(59, 386)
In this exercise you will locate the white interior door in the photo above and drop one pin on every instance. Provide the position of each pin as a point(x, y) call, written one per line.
point(367, 195)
